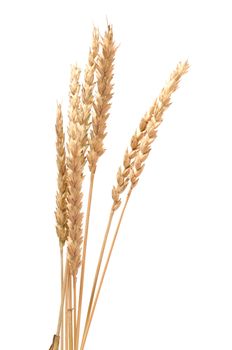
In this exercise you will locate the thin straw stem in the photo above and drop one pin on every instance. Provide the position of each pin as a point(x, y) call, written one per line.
point(98, 267)
point(75, 308)
point(70, 312)
point(104, 272)
point(62, 284)
point(62, 299)
point(66, 322)
point(77, 328)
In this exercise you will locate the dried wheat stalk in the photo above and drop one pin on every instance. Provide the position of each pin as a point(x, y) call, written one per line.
point(140, 148)
point(75, 166)
point(101, 104)
point(61, 196)
point(87, 104)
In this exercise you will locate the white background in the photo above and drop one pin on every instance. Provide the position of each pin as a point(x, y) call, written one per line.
point(169, 282)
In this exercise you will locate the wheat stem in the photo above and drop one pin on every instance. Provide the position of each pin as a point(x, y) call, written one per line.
point(104, 272)
point(70, 317)
point(77, 329)
point(75, 309)
point(62, 284)
point(62, 299)
point(66, 322)
point(99, 266)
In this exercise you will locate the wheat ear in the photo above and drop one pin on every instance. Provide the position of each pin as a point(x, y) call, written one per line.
point(88, 86)
point(61, 196)
point(87, 104)
point(75, 166)
point(104, 70)
point(140, 148)
point(151, 121)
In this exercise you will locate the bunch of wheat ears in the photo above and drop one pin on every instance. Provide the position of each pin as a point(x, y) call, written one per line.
point(90, 103)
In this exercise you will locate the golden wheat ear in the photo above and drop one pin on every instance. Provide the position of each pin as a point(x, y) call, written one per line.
point(88, 87)
point(104, 71)
point(75, 165)
point(61, 204)
point(149, 124)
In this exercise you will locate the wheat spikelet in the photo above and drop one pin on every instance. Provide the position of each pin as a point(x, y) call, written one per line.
point(104, 67)
point(75, 164)
point(123, 176)
point(88, 84)
point(164, 99)
point(61, 209)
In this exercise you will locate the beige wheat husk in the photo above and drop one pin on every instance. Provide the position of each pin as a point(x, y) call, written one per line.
point(90, 103)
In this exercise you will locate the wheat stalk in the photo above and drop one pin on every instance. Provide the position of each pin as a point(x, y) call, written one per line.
point(75, 165)
point(87, 104)
point(140, 148)
point(66, 320)
point(61, 196)
point(104, 71)
point(56, 337)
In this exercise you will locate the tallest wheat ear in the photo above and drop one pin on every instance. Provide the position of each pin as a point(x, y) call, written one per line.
point(140, 149)
point(101, 104)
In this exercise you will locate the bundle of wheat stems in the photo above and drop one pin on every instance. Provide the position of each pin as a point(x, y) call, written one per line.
point(90, 102)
